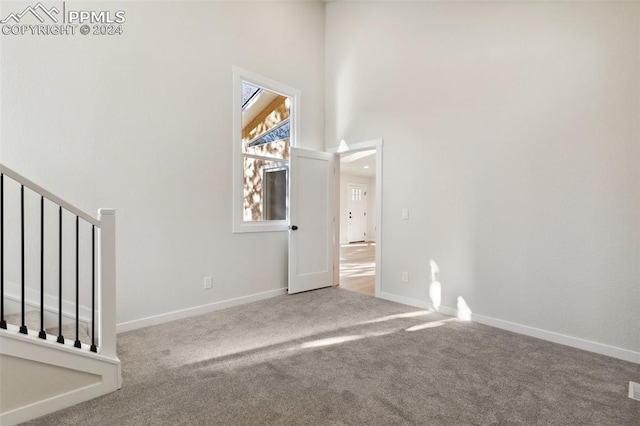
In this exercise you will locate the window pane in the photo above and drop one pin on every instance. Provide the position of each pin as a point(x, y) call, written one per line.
point(248, 92)
point(265, 122)
point(279, 132)
point(275, 193)
point(265, 189)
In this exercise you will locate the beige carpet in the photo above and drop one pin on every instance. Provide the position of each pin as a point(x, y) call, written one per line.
point(32, 321)
point(334, 357)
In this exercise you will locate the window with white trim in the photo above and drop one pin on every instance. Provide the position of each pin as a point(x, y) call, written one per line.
point(264, 130)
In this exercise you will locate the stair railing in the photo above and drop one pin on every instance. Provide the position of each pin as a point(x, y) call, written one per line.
point(103, 281)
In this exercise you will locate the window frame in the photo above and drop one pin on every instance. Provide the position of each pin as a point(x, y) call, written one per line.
point(241, 75)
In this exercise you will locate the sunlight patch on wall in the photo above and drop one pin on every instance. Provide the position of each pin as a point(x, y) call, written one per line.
point(435, 288)
point(464, 312)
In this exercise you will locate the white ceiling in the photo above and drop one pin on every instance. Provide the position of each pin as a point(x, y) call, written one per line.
point(360, 163)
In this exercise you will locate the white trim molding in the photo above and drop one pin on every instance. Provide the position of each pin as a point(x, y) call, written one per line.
point(107, 282)
point(197, 310)
point(550, 336)
point(239, 75)
point(377, 145)
point(48, 195)
point(357, 146)
point(563, 339)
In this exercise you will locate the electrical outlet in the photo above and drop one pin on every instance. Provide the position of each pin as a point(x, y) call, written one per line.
point(405, 277)
point(207, 283)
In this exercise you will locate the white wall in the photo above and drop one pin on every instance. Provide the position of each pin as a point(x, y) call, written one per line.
point(511, 133)
point(142, 123)
point(370, 182)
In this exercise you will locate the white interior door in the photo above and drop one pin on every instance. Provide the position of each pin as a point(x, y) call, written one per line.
point(311, 213)
point(357, 211)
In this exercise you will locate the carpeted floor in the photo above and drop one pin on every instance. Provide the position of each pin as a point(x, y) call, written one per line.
point(337, 357)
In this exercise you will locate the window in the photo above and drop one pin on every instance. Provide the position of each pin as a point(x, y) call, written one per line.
point(274, 182)
point(356, 194)
point(264, 122)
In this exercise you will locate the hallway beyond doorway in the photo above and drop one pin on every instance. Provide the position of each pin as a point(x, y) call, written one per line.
point(358, 267)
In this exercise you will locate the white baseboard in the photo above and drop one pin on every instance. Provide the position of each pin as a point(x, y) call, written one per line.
point(445, 310)
point(196, 310)
point(575, 342)
point(563, 339)
point(405, 300)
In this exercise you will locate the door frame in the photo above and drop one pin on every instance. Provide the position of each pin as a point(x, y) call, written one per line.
point(376, 144)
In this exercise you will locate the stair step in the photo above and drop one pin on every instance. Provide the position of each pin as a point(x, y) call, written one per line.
point(31, 319)
point(69, 333)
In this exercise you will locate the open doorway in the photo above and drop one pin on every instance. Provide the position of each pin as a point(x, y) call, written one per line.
point(357, 214)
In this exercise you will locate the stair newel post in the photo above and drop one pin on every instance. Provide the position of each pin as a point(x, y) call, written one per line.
point(107, 282)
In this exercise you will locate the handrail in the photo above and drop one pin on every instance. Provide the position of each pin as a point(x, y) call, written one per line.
point(48, 195)
point(103, 284)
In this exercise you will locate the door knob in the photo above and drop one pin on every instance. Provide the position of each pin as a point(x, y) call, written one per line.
point(294, 228)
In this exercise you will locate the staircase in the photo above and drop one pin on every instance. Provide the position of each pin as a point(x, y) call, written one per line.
point(57, 302)
point(32, 321)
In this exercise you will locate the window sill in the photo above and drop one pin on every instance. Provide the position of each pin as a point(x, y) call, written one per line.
point(245, 227)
